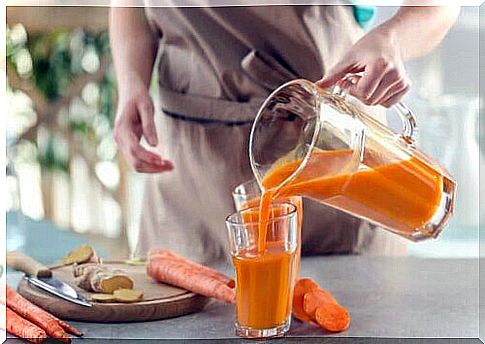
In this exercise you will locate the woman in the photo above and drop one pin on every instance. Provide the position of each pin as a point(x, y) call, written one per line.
point(216, 66)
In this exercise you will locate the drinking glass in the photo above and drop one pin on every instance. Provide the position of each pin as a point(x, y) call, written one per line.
point(264, 281)
point(248, 195)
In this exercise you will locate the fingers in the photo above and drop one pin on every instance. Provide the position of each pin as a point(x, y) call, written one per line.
point(394, 98)
point(136, 150)
point(145, 108)
point(143, 167)
point(337, 73)
point(127, 136)
point(143, 160)
point(393, 82)
point(368, 84)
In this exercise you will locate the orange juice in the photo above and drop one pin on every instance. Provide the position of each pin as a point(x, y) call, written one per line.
point(402, 195)
point(298, 203)
point(264, 287)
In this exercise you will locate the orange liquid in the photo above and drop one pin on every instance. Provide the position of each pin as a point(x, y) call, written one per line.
point(254, 217)
point(264, 287)
point(402, 195)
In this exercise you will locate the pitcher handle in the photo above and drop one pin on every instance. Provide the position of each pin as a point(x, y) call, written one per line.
point(408, 118)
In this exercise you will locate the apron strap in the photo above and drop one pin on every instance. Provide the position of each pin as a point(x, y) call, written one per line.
point(203, 108)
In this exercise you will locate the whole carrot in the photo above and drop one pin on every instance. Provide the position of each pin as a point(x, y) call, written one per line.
point(36, 315)
point(180, 274)
point(23, 328)
point(209, 271)
point(68, 328)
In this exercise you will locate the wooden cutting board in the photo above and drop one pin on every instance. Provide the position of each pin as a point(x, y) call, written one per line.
point(160, 300)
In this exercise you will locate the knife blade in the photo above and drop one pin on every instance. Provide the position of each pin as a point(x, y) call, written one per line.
point(58, 288)
point(40, 276)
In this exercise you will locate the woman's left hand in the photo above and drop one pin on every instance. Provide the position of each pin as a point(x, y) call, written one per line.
point(377, 55)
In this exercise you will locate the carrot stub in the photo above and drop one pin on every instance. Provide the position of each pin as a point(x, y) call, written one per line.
point(324, 309)
point(36, 315)
point(23, 328)
point(302, 287)
point(314, 299)
point(176, 272)
point(332, 317)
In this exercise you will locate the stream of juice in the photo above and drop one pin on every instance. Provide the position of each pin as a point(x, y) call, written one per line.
point(401, 195)
point(254, 217)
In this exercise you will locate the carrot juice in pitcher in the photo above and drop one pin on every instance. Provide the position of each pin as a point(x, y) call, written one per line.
point(401, 195)
point(314, 143)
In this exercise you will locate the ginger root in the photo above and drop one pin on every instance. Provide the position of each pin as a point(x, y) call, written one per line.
point(81, 254)
point(103, 298)
point(119, 295)
point(127, 295)
point(101, 279)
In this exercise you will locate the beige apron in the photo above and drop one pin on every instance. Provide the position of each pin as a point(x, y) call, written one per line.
point(216, 67)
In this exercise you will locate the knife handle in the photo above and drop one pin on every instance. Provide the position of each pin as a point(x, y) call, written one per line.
point(29, 265)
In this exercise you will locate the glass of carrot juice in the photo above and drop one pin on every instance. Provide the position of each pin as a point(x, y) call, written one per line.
point(248, 195)
point(263, 258)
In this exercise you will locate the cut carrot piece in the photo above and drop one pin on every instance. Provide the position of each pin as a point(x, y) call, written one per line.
point(314, 299)
point(164, 253)
point(332, 317)
point(302, 286)
point(23, 328)
point(176, 272)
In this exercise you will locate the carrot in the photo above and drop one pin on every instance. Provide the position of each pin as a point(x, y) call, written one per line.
point(314, 299)
point(302, 286)
point(209, 271)
point(324, 309)
point(36, 315)
point(23, 328)
point(332, 317)
point(180, 274)
point(68, 328)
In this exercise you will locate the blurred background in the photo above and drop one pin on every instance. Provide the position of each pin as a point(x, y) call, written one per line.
point(66, 183)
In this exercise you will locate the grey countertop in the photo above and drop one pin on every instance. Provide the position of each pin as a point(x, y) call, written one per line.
point(386, 297)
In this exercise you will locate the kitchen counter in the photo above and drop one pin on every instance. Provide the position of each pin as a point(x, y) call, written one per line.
point(386, 297)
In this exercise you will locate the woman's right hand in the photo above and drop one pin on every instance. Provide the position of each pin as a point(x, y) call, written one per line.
point(134, 119)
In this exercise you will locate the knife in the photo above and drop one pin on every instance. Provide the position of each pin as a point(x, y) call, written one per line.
point(41, 276)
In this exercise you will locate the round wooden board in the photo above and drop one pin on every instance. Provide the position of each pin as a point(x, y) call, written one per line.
point(160, 300)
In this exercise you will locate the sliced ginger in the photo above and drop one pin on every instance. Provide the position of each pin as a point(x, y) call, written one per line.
point(103, 298)
point(109, 283)
point(127, 295)
point(119, 295)
point(79, 255)
point(101, 279)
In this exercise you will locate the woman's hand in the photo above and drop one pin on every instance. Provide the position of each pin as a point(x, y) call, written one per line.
point(134, 120)
point(134, 48)
point(377, 55)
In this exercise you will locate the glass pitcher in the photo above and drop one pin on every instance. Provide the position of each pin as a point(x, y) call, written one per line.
point(314, 143)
